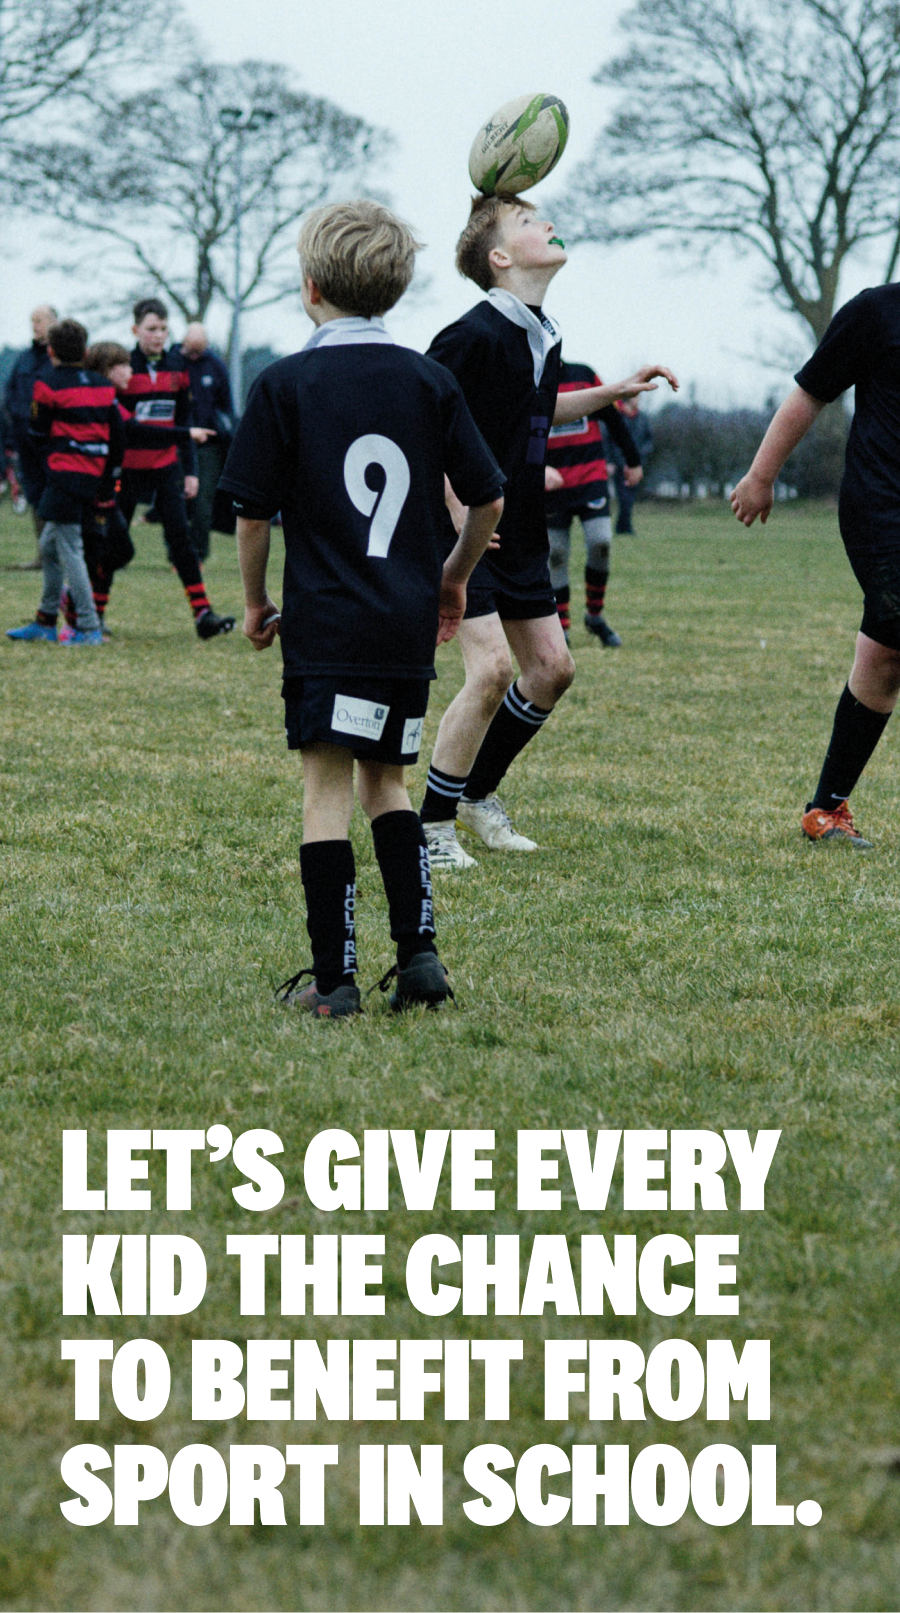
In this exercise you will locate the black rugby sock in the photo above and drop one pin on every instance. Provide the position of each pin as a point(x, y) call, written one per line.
point(857, 730)
point(403, 859)
point(517, 721)
point(442, 793)
point(328, 871)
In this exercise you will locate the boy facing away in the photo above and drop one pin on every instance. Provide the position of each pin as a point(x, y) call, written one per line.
point(352, 439)
point(505, 354)
point(75, 422)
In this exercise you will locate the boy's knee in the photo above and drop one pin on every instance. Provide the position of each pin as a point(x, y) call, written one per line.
point(597, 555)
point(495, 675)
point(563, 674)
point(559, 550)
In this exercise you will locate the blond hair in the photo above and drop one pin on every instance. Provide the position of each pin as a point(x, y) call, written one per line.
point(478, 239)
point(358, 255)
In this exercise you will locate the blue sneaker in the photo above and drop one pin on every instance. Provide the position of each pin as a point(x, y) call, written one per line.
point(32, 631)
point(92, 635)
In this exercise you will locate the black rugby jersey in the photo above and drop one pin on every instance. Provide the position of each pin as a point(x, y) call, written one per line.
point(493, 363)
point(861, 348)
point(576, 448)
point(75, 419)
point(351, 439)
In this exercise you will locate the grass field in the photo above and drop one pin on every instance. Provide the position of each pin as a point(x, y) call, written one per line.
point(674, 956)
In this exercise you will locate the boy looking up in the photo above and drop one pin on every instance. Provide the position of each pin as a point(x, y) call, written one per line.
point(352, 439)
point(160, 461)
point(76, 424)
point(505, 354)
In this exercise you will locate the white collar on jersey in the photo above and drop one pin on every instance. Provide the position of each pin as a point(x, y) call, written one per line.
point(543, 333)
point(341, 332)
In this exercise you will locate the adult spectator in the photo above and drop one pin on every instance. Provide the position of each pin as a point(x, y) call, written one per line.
point(213, 410)
point(30, 364)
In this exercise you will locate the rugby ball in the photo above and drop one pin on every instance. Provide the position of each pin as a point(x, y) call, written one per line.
point(519, 145)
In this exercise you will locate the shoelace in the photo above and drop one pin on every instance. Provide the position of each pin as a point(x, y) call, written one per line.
point(283, 992)
point(384, 982)
point(498, 810)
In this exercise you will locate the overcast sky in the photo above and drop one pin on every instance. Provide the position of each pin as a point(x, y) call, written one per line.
point(432, 71)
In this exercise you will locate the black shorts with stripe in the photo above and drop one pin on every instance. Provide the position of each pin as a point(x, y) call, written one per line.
point(379, 719)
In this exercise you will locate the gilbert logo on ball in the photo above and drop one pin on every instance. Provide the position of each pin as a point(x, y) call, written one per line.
point(519, 145)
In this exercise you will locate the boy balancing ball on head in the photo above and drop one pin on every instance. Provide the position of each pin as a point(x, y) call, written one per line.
point(352, 439)
point(858, 349)
point(505, 355)
point(160, 462)
point(76, 422)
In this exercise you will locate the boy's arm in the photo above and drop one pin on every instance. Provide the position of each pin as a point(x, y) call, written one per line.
point(588, 399)
point(116, 441)
point(186, 451)
point(617, 427)
point(755, 493)
point(41, 415)
point(477, 531)
point(253, 538)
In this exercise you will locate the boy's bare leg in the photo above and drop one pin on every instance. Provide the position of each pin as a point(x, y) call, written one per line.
point(547, 669)
point(468, 717)
point(546, 666)
point(382, 788)
point(875, 675)
point(327, 792)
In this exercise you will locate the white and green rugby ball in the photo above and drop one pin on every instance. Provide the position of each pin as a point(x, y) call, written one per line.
point(519, 145)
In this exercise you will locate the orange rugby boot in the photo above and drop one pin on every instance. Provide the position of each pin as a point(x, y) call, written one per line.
point(817, 824)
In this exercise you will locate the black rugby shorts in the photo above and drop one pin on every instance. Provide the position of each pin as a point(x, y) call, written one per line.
point(379, 719)
point(516, 596)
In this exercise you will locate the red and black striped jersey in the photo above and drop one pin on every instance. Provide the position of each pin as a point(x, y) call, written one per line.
point(576, 448)
point(74, 417)
point(157, 411)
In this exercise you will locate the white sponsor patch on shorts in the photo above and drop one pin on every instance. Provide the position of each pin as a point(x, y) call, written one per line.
point(412, 736)
point(363, 718)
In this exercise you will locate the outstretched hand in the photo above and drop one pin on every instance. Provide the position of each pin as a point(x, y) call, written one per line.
point(643, 380)
point(753, 497)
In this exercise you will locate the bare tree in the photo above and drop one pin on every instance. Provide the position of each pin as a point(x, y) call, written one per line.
point(151, 182)
point(53, 49)
point(772, 124)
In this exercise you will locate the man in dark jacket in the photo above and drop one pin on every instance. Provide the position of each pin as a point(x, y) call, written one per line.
point(30, 364)
point(212, 408)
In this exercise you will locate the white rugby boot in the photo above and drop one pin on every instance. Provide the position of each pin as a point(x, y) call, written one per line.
point(490, 820)
point(444, 850)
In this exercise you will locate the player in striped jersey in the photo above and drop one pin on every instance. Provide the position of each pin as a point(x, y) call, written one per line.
point(77, 425)
point(577, 485)
point(159, 457)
